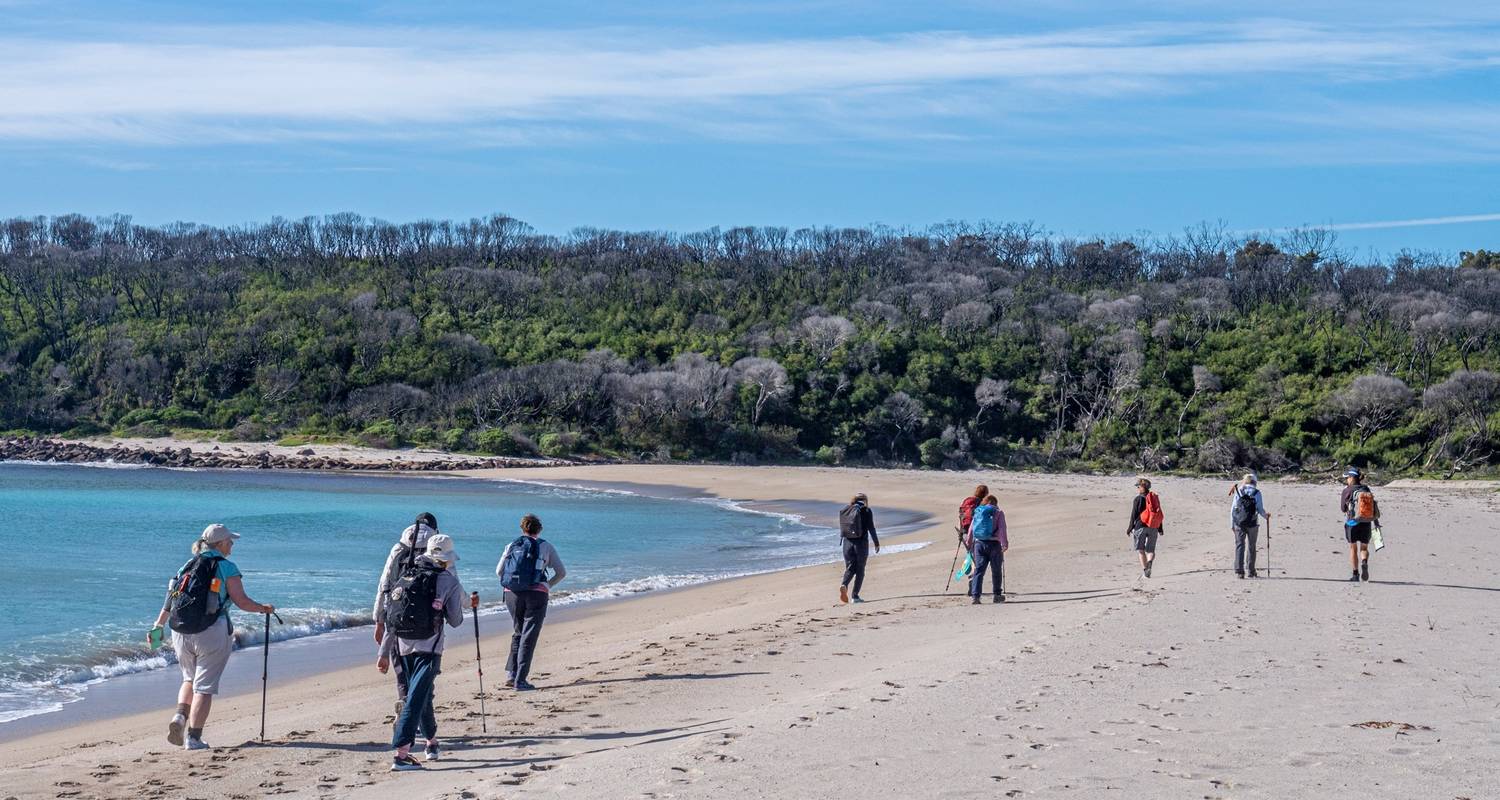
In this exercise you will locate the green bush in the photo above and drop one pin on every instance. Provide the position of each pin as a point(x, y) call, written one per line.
point(383, 434)
point(830, 454)
point(560, 444)
point(934, 452)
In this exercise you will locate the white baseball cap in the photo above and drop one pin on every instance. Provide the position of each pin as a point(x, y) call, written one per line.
point(216, 533)
point(440, 547)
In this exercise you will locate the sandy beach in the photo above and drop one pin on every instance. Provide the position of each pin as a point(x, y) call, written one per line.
point(1091, 682)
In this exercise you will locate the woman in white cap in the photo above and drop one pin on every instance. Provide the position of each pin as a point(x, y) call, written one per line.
point(421, 656)
point(197, 606)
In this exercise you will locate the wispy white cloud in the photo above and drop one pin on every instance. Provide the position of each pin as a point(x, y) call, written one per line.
point(1419, 222)
point(259, 84)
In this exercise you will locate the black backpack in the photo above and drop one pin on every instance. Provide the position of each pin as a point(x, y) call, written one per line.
point(408, 608)
point(852, 521)
point(195, 600)
point(1244, 509)
point(519, 573)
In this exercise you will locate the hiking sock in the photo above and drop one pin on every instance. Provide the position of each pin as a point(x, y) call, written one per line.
point(195, 733)
point(183, 709)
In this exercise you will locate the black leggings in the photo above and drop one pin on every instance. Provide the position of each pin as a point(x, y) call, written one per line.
point(856, 553)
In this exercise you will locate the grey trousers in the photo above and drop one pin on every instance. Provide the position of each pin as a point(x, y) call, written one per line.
point(1244, 547)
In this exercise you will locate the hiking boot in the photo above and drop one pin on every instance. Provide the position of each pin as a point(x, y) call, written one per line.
point(1254, 574)
point(523, 686)
point(843, 594)
point(1354, 577)
point(1364, 570)
point(194, 743)
point(431, 753)
point(405, 764)
point(175, 729)
point(974, 602)
point(510, 682)
point(1147, 571)
point(1239, 574)
point(999, 598)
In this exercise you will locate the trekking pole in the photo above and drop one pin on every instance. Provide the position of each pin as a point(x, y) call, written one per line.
point(1268, 548)
point(265, 669)
point(478, 663)
point(954, 567)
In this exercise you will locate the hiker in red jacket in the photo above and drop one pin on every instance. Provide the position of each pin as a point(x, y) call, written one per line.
point(966, 509)
point(1145, 524)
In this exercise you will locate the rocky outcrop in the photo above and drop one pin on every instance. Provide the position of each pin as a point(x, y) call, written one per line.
point(64, 452)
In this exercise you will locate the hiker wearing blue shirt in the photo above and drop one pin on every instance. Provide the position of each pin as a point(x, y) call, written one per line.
point(202, 654)
point(1246, 508)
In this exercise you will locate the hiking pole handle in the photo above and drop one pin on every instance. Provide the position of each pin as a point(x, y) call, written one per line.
point(474, 600)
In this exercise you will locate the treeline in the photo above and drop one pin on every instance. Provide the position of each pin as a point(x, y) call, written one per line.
point(946, 347)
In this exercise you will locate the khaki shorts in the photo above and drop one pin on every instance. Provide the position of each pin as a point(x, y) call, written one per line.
point(203, 656)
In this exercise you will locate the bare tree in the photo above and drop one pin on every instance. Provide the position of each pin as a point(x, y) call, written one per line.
point(1204, 382)
point(823, 334)
point(1372, 402)
point(769, 379)
point(989, 394)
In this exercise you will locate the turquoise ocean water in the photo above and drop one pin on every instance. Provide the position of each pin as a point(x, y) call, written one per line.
point(89, 551)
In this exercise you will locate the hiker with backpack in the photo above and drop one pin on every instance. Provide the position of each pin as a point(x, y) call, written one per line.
point(197, 608)
point(424, 596)
point(857, 529)
point(523, 574)
point(988, 541)
point(966, 509)
point(1246, 508)
point(1361, 515)
point(413, 539)
point(1146, 524)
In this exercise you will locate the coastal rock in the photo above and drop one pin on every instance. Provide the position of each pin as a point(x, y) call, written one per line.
point(28, 448)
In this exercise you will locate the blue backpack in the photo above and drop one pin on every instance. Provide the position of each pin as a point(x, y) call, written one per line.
point(984, 523)
point(521, 572)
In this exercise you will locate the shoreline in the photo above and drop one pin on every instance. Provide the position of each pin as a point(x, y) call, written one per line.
point(180, 452)
point(120, 695)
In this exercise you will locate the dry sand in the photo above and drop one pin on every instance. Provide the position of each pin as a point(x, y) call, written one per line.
point(1092, 682)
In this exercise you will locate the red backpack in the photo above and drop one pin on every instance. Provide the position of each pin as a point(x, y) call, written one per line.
point(1152, 516)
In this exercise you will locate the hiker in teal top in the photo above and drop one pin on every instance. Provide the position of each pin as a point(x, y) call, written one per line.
point(203, 650)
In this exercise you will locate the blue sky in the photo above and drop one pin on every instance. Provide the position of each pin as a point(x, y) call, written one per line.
point(1106, 117)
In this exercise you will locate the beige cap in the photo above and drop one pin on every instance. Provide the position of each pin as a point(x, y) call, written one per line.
point(216, 533)
point(440, 548)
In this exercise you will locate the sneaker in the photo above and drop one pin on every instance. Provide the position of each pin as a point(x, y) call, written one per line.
point(843, 594)
point(405, 764)
point(523, 686)
point(1364, 570)
point(974, 602)
point(1354, 578)
point(1147, 571)
point(857, 599)
point(999, 598)
point(431, 753)
point(175, 729)
point(1239, 574)
point(510, 682)
point(194, 743)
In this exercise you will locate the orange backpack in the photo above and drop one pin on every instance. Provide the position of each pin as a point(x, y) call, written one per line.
point(1152, 516)
point(1363, 505)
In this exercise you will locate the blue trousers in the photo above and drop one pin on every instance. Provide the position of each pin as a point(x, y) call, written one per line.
point(421, 671)
point(986, 554)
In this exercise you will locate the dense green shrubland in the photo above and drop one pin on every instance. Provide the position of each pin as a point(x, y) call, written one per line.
point(987, 343)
